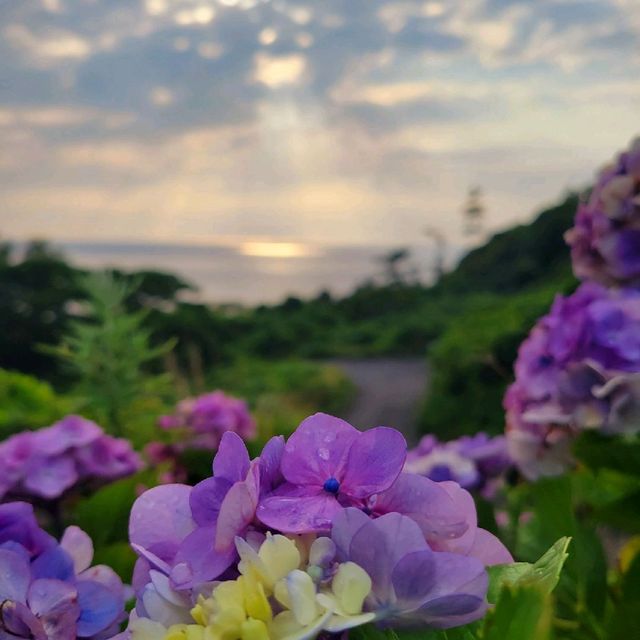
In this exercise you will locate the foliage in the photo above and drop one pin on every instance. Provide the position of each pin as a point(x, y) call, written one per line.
point(282, 394)
point(108, 354)
point(472, 362)
point(27, 403)
point(34, 295)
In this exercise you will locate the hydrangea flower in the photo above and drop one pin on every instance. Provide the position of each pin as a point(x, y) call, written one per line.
point(237, 556)
point(203, 420)
point(411, 584)
point(328, 465)
point(48, 590)
point(471, 461)
point(578, 370)
point(605, 241)
point(51, 461)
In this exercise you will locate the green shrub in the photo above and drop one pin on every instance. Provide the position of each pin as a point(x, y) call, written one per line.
point(472, 362)
point(282, 393)
point(27, 403)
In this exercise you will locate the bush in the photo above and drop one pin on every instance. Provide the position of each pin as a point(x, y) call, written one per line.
point(283, 393)
point(472, 362)
point(27, 403)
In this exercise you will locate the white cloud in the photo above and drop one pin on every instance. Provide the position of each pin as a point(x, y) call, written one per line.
point(279, 71)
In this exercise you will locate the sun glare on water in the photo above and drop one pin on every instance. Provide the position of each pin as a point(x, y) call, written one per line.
point(275, 249)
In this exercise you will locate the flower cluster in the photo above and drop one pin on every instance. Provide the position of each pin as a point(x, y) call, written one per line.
point(605, 241)
point(202, 421)
point(198, 423)
point(48, 462)
point(474, 462)
point(578, 369)
point(49, 590)
point(318, 534)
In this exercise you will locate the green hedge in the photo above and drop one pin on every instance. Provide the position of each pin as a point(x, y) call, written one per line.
point(472, 361)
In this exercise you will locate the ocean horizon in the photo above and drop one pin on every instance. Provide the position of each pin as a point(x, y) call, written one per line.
point(254, 272)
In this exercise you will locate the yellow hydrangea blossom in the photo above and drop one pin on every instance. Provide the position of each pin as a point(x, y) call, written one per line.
point(240, 609)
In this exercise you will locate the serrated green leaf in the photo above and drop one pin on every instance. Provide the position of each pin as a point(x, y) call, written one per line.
point(522, 613)
point(544, 573)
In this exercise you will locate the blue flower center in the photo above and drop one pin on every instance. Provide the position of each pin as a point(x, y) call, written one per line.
point(440, 473)
point(331, 485)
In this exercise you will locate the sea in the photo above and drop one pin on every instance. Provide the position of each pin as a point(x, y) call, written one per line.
point(251, 273)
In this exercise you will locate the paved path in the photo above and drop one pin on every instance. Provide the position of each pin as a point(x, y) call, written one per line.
point(389, 392)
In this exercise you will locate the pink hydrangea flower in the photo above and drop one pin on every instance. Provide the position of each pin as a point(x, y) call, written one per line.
point(202, 421)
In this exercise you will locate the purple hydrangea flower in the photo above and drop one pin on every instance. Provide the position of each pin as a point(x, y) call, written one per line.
point(210, 515)
point(605, 241)
point(51, 461)
point(412, 584)
point(415, 541)
point(579, 369)
point(471, 461)
point(449, 523)
point(202, 421)
point(329, 465)
point(48, 590)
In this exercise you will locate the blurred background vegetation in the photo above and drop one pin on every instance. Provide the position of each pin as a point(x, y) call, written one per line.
point(468, 325)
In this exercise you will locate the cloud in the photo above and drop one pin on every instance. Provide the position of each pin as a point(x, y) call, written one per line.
point(335, 120)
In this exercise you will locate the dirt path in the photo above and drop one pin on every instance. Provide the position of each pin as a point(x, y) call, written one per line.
point(389, 392)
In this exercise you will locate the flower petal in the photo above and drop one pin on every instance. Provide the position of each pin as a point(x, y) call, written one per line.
point(489, 550)
point(99, 608)
point(378, 546)
point(203, 561)
point(427, 503)
point(18, 621)
point(238, 509)
point(231, 462)
point(15, 575)
point(270, 460)
point(79, 546)
point(161, 519)
point(450, 611)
point(375, 461)
point(55, 603)
point(299, 510)
point(467, 508)
point(345, 526)
point(413, 578)
point(318, 450)
point(54, 563)
point(206, 499)
point(51, 477)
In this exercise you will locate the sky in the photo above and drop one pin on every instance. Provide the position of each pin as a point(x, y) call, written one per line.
point(302, 122)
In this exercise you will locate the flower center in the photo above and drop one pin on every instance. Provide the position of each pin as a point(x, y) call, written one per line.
point(440, 473)
point(331, 485)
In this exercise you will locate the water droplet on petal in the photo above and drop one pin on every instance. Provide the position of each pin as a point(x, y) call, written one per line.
point(323, 453)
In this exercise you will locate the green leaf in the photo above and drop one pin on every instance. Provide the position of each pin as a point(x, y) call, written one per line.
point(544, 573)
point(371, 632)
point(623, 623)
point(601, 452)
point(587, 571)
point(105, 514)
point(522, 613)
point(623, 514)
